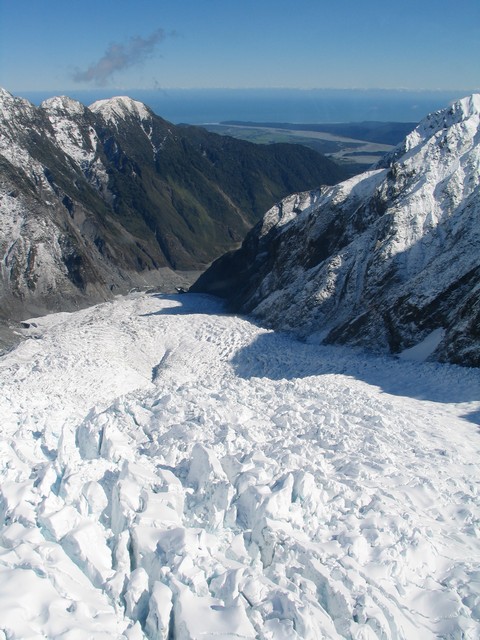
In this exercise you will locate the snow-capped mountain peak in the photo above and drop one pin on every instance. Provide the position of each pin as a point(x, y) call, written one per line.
point(11, 106)
point(120, 108)
point(63, 105)
point(5, 96)
point(461, 119)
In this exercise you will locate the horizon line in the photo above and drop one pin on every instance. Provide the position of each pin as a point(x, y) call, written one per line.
point(233, 89)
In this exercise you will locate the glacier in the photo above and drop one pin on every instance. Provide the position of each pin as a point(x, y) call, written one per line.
point(170, 470)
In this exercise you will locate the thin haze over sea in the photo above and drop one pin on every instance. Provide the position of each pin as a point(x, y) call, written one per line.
point(200, 106)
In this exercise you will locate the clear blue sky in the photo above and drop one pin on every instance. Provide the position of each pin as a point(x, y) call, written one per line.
point(122, 44)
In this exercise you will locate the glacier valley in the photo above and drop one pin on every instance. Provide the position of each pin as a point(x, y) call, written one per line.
point(172, 471)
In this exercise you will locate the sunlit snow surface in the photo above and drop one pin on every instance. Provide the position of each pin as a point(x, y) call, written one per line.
point(171, 471)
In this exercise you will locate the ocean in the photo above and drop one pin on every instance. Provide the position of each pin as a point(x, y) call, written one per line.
point(300, 106)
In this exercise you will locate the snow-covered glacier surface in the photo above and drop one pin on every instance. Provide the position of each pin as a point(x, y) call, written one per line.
point(171, 471)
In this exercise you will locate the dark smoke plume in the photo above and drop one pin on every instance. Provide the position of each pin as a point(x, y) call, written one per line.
point(120, 56)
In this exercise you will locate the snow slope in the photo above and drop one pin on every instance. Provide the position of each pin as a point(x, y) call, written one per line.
point(171, 471)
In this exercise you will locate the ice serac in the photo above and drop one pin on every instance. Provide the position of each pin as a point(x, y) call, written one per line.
point(388, 260)
point(254, 487)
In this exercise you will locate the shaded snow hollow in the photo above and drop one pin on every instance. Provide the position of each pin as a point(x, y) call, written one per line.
point(170, 471)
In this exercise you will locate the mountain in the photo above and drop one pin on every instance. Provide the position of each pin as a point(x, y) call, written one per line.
point(388, 260)
point(98, 200)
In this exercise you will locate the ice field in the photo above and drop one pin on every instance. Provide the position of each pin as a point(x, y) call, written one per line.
point(171, 471)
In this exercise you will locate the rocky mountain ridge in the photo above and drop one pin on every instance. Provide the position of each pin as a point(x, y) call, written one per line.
point(388, 260)
point(94, 201)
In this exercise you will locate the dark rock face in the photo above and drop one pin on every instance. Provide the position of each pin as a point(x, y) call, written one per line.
point(388, 260)
point(99, 199)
